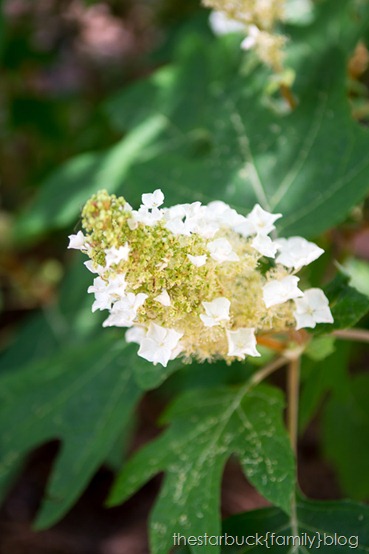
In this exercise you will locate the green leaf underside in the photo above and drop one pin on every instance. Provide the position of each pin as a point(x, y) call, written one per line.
point(210, 135)
point(206, 427)
point(345, 436)
point(347, 519)
point(85, 398)
point(347, 304)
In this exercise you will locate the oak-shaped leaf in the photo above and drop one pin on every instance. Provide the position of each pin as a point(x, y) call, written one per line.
point(205, 428)
point(82, 396)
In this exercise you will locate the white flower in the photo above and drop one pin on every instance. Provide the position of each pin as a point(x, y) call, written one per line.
point(242, 342)
point(160, 344)
point(251, 39)
point(185, 219)
point(177, 226)
point(296, 252)
point(224, 214)
point(216, 311)
point(198, 261)
point(135, 334)
point(107, 292)
point(94, 267)
point(163, 298)
point(103, 299)
point(146, 216)
point(264, 245)
point(115, 255)
point(153, 200)
point(279, 291)
point(78, 241)
point(258, 222)
point(313, 308)
point(124, 311)
point(220, 24)
point(221, 251)
point(117, 285)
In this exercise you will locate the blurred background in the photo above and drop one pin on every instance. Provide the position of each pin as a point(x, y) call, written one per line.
point(60, 62)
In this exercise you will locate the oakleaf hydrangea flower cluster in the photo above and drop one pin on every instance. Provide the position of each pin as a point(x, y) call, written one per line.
point(195, 281)
point(257, 20)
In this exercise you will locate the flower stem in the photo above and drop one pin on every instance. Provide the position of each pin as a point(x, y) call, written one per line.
point(293, 385)
point(267, 370)
point(360, 335)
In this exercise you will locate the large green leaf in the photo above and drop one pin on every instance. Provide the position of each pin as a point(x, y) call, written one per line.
point(206, 427)
point(207, 133)
point(84, 397)
point(328, 522)
point(345, 436)
point(310, 165)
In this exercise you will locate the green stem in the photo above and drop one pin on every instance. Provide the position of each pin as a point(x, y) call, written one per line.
point(293, 385)
point(267, 370)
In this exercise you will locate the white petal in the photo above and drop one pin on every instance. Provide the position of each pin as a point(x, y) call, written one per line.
point(115, 255)
point(78, 241)
point(117, 285)
point(163, 298)
point(261, 221)
point(242, 342)
point(316, 298)
point(279, 291)
point(216, 311)
point(313, 308)
point(224, 214)
point(198, 261)
point(124, 311)
point(99, 285)
point(304, 320)
point(103, 301)
point(120, 319)
point(323, 315)
point(297, 252)
point(264, 245)
point(220, 24)
point(177, 226)
point(153, 200)
point(159, 344)
point(250, 40)
point(221, 251)
point(248, 43)
point(148, 217)
point(93, 267)
point(150, 351)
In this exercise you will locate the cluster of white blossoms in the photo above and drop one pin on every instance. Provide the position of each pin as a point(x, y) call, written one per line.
point(195, 281)
point(257, 20)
